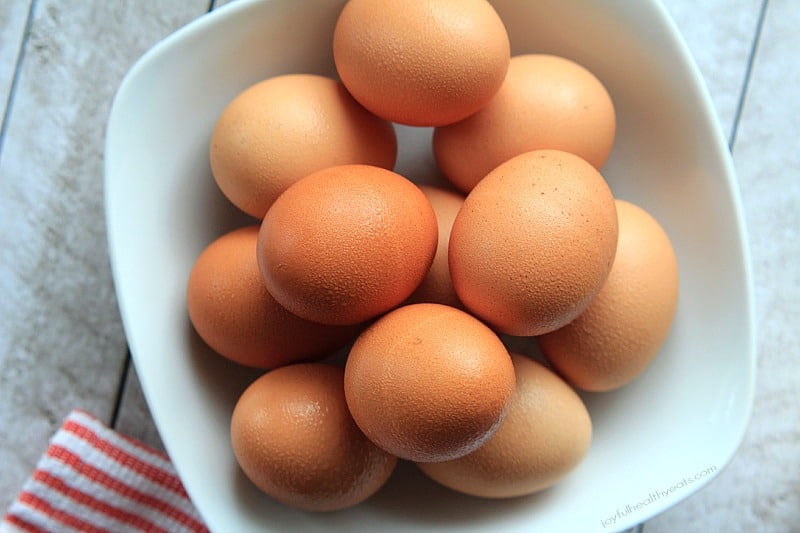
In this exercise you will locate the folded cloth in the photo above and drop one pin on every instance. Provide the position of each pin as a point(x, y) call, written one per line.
point(93, 479)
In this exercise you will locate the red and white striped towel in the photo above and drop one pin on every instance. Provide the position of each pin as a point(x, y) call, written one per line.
point(93, 479)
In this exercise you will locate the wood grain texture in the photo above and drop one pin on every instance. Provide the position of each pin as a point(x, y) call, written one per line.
point(720, 36)
point(61, 341)
point(13, 19)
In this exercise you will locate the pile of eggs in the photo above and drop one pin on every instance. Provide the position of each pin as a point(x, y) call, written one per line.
point(417, 283)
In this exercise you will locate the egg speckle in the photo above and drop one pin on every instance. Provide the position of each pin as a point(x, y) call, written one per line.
point(616, 338)
point(347, 243)
point(534, 242)
point(428, 382)
point(437, 287)
point(546, 434)
point(294, 438)
point(545, 101)
point(284, 128)
point(232, 311)
point(421, 62)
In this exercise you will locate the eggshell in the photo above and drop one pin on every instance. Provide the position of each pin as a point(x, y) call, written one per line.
point(428, 382)
point(421, 62)
point(617, 337)
point(534, 242)
point(437, 287)
point(347, 243)
point(546, 434)
point(294, 438)
point(284, 128)
point(546, 101)
point(233, 312)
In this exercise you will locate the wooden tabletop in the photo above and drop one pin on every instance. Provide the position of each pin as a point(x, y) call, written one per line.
point(62, 345)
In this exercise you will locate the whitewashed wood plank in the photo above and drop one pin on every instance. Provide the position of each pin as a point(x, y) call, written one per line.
point(61, 341)
point(720, 35)
point(220, 3)
point(760, 489)
point(13, 18)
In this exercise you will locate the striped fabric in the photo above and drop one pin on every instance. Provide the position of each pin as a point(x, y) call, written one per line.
point(93, 479)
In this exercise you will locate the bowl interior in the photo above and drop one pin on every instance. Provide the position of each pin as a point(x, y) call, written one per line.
point(655, 441)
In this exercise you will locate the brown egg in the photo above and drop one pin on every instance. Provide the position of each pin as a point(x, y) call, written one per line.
point(295, 440)
point(616, 338)
point(421, 62)
point(437, 287)
point(545, 101)
point(428, 382)
point(346, 244)
point(546, 434)
point(283, 128)
point(231, 310)
point(534, 242)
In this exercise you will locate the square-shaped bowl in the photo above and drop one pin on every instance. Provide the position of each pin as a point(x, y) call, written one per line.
point(656, 441)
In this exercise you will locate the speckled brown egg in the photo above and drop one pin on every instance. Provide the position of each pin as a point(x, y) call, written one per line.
point(284, 128)
point(617, 337)
point(421, 62)
point(346, 244)
point(294, 438)
point(546, 101)
point(534, 242)
point(232, 311)
point(546, 434)
point(437, 287)
point(428, 382)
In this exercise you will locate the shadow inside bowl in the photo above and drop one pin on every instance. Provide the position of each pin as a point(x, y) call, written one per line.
point(407, 496)
point(219, 215)
point(222, 379)
point(405, 499)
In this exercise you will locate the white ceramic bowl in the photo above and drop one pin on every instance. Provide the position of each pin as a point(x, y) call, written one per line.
point(656, 441)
